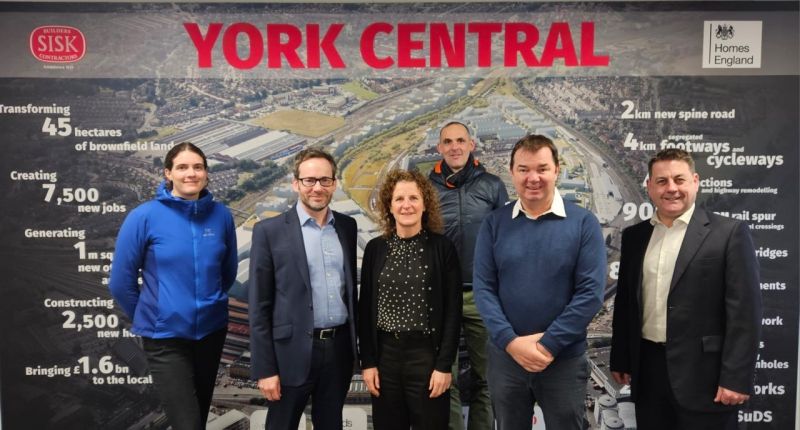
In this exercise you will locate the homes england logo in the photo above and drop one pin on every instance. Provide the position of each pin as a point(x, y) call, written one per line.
point(731, 45)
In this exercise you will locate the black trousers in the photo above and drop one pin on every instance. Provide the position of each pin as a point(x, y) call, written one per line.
point(184, 372)
point(404, 371)
point(656, 405)
point(327, 385)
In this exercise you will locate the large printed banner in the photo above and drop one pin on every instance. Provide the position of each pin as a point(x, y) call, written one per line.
point(93, 95)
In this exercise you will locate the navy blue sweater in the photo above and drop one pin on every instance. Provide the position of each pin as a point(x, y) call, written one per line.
point(546, 275)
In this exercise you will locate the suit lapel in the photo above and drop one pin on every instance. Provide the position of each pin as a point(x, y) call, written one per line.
point(295, 236)
point(642, 242)
point(344, 241)
point(696, 233)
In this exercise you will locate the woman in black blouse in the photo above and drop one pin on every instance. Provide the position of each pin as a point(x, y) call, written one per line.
point(409, 308)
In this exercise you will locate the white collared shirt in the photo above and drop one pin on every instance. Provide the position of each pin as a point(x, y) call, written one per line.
point(659, 266)
point(556, 208)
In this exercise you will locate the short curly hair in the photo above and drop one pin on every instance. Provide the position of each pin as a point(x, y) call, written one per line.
point(431, 218)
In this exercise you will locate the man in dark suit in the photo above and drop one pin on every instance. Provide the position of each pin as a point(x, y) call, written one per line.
point(302, 293)
point(687, 314)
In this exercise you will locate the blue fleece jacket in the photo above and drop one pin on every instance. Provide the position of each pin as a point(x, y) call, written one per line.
point(186, 250)
point(545, 275)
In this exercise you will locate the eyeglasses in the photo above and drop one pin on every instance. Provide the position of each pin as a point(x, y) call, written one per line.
point(310, 182)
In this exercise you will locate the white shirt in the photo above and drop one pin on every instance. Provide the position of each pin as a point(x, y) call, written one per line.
point(556, 208)
point(659, 266)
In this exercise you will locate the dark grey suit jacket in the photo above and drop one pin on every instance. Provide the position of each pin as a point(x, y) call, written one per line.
point(713, 310)
point(280, 303)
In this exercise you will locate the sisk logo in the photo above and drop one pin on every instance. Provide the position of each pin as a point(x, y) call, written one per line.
point(57, 44)
point(724, 32)
point(208, 232)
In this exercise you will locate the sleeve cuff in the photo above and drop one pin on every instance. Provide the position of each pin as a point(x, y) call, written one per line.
point(550, 343)
point(505, 337)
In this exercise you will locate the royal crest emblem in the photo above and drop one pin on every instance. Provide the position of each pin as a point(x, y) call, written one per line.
point(724, 32)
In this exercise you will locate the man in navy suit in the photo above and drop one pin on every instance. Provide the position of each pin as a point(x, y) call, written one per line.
point(302, 293)
point(687, 314)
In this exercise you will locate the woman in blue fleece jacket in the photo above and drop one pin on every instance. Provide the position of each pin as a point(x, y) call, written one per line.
point(184, 244)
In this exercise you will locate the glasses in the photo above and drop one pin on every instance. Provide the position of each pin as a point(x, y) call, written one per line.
point(310, 182)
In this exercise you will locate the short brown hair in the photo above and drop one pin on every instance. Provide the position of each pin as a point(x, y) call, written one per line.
point(533, 143)
point(177, 149)
point(469, 134)
point(671, 154)
point(308, 154)
point(431, 218)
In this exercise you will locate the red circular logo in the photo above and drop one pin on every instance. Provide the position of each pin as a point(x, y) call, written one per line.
point(57, 44)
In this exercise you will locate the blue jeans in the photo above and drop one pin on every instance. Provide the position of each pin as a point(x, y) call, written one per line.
point(559, 390)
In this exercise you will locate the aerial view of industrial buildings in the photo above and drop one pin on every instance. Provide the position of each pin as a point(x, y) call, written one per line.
point(251, 123)
point(250, 129)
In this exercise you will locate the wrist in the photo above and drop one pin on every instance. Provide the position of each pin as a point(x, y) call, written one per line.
point(543, 349)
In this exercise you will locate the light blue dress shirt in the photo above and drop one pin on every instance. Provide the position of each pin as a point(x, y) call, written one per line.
point(325, 268)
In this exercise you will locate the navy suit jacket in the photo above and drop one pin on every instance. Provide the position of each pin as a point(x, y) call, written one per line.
point(713, 311)
point(280, 304)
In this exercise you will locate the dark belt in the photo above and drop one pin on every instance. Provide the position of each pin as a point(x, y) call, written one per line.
point(328, 333)
point(415, 334)
point(654, 344)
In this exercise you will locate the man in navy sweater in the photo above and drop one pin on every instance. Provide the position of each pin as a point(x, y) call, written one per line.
point(539, 278)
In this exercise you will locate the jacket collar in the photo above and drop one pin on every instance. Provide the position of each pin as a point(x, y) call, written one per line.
point(201, 205)
point(443, 174)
